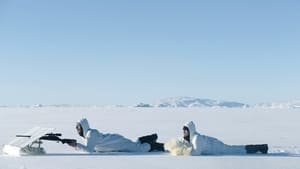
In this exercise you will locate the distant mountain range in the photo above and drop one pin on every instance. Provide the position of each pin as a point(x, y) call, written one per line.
point(280, 105)
point(185, 102)
point(198, 102)
point(193, 102)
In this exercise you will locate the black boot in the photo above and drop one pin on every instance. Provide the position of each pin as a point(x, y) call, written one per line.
point(157, 147)
point(148, 139)
point(252, 149)
point(263, 148)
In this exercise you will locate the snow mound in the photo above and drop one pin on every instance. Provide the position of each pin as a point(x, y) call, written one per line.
point(197, 102)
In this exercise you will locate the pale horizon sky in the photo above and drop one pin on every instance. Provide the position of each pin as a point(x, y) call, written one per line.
point(117, 52)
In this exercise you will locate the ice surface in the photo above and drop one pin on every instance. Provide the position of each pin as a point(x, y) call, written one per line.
point(277, 127)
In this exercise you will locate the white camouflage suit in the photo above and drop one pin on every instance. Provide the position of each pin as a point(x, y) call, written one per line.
point(99, 142)
point(205, 145)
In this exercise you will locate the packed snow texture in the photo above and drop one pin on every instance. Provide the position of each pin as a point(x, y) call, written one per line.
point(277, 127)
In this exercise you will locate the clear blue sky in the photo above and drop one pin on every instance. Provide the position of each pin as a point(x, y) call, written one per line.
point(125, 52)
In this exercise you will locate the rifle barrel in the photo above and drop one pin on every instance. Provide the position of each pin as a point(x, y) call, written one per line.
point(23, 136)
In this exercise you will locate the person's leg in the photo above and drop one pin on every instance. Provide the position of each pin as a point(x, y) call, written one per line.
point(151, 139)
point(233, 149)
point(251, 149)
point(157, 147)
point(264, 148)
point(131, 146)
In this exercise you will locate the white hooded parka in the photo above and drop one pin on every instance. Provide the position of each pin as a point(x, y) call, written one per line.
point(205, 145)
point(99, 142)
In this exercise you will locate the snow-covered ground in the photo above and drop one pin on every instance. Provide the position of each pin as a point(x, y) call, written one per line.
point(277, 127)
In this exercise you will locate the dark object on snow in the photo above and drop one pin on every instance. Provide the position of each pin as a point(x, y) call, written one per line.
point(157, 147)
point(148, 139)
point(151, 139)
point(252, 149)
point(55, 137)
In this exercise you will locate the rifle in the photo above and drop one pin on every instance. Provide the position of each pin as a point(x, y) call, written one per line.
point(55, 137)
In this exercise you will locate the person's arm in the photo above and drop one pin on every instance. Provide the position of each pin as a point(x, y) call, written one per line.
point(90, 142)
point(196, 145)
